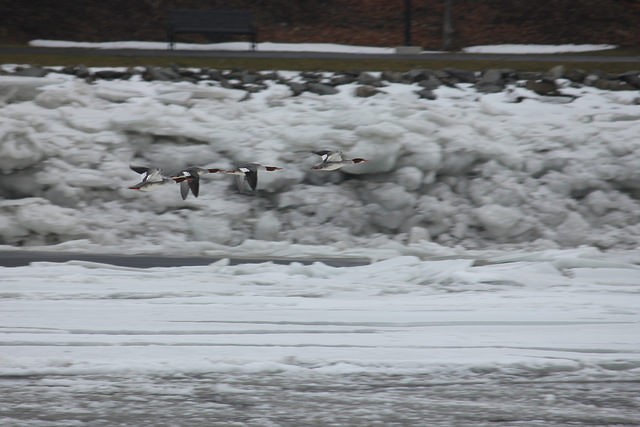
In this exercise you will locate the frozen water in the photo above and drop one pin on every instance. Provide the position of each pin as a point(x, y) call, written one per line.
point(546, 338)
point(503, 287)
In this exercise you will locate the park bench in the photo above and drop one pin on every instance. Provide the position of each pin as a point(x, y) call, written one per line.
point(210, 23)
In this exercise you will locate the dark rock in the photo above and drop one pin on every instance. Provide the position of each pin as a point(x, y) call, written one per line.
point(426, 94)
point(594, 76)
point(430, 83)
point(215, 75)
point(492, 81)
point(255, 88)
point(160, 73)
point(576, 75)
point(542, 87)
point(461, 76)
point(321, 89)
point(369, 79)
point(226, 84)
point(632, 78)
point(415, 76)
point(528, 75)
point(342, 79)
point(393, 77)
point(311, 76)
point(80, 71)
point(111, 75)
point(269, 75)
point(606, 84)
point(366, 91)
point(247, 77)
point(31, 71)
point(296, 87)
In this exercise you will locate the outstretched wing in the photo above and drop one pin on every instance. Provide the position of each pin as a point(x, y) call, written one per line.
point(139, 169)
point(194, 185)
point(184, 189)
point(251, 176)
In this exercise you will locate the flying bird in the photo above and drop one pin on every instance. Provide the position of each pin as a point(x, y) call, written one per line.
point(250, 173)
point(152, 178)
point(189, 179)
point(333, 160)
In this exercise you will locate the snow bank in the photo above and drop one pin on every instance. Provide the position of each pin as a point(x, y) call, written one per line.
point(537, 48)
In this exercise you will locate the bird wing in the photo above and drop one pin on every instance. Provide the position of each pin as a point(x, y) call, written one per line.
point(139, 169)
point(154, 175)
point(251, 176)
point(194, 185)
point(335, 156)
point(184, 189)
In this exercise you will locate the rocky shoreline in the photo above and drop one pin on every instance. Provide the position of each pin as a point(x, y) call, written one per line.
point(367, 83)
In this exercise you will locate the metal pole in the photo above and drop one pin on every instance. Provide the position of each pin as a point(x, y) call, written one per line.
point(407, 22)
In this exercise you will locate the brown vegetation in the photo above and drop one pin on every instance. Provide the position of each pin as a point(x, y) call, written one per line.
point(361, 22)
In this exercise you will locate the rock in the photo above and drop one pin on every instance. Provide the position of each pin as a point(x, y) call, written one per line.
point(542, 87)
point(30, 71)
point(80, 71)
point(343, 79)
point(528, 75)
point(461, 76)
point(632, 78)
point(606, 84)
point(160, 73)
point(111, 75)
point(296, 87)
point(366, 91)
point(426, 94)
point(576, 75)
point(311, 76)
point(321, 89)
point(215, 75)
point(393, 76)
point(555, 73)
point(368, 79)
point(492, 81)
point(415, 76)
point(430, 83)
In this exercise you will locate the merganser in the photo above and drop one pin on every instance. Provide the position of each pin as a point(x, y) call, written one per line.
point(333, 160)
point(189, 179)
point(250, 172)
point(152, 178)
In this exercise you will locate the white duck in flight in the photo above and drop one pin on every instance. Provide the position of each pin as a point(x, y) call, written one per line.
point(334, 160)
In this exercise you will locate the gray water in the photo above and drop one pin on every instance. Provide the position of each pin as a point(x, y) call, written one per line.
point(282, 399)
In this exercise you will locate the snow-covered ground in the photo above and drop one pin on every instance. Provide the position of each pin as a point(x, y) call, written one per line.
point(317, 47)
point(504, 236)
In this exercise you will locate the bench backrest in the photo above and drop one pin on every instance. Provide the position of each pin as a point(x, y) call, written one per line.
point(237, 19)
